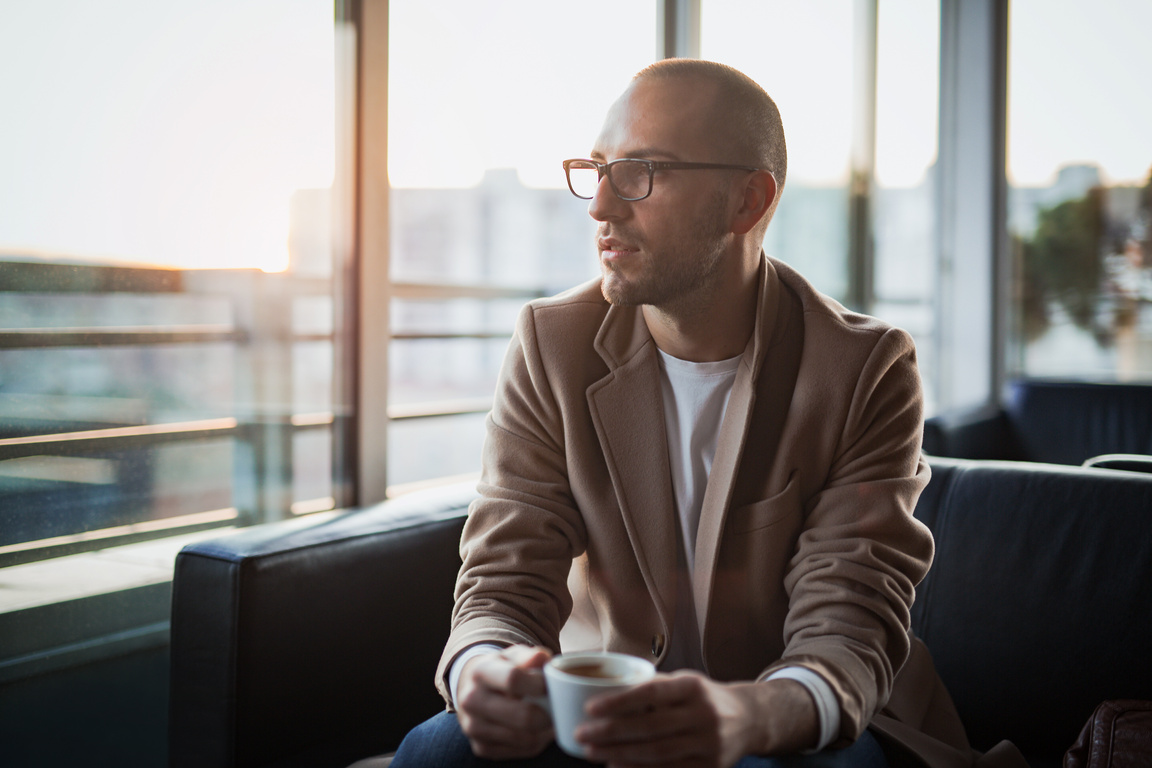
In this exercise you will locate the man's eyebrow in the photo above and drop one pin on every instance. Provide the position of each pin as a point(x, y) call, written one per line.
point(644, 153)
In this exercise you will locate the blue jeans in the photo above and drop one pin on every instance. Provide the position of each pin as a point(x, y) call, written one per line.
point(439, 743)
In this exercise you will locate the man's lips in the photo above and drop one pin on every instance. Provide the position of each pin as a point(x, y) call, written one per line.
point(614, 249)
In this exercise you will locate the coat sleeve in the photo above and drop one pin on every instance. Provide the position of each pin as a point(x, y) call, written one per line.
point(860, 554)
point(524, 531)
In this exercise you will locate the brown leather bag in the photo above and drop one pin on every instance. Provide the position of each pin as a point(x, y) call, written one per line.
point(1118, 735)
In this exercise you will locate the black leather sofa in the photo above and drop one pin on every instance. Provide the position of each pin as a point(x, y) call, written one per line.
point(314, 643)
point(1058, 422)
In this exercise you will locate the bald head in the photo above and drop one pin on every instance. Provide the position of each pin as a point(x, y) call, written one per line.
point(743, 120)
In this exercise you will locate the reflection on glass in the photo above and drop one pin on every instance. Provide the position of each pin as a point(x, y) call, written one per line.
point(1080, 197)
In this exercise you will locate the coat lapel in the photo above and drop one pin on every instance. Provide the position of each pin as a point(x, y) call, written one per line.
point(624, 406)
point(734, 434)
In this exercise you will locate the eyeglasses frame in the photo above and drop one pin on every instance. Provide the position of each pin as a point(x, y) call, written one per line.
point(653, 166)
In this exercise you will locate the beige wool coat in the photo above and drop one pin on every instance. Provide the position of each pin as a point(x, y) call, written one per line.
point(807, 552)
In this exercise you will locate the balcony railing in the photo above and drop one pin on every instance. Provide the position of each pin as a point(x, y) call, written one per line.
point(246, 316)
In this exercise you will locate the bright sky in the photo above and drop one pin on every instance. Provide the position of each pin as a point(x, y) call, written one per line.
point(1079, 89)
point(163, 132)
point(506, 84)
point(175, 133)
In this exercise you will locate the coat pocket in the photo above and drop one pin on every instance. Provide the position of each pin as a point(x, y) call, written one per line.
point(761, 514)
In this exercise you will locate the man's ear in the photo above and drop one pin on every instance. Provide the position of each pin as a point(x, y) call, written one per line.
point(759, 192)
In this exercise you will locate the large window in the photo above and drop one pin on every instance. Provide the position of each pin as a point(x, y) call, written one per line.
point(1080, 201)
point(172, 333)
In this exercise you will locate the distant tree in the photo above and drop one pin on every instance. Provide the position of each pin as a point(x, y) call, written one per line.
point(1031, 290)
point(1146, 216)
point(1062, 263)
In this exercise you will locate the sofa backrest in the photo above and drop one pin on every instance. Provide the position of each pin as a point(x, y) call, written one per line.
point(1066, 422)
point(1038, 605)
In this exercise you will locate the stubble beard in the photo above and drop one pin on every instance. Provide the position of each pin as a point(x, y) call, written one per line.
point(680, 271)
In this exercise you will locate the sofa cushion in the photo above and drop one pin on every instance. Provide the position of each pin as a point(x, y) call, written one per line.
point(1039, 603)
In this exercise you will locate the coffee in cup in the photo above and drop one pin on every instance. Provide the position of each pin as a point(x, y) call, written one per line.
point(575, 678)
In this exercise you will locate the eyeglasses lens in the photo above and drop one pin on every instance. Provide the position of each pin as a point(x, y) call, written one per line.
point(630, 177)
point(583, 178)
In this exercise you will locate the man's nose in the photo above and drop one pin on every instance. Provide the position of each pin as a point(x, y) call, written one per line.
point(605, 205)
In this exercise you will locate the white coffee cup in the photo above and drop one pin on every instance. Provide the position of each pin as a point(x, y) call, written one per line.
point(575, 678)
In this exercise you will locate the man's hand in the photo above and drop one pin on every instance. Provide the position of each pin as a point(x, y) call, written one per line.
point(491, 706)
point(686, 719)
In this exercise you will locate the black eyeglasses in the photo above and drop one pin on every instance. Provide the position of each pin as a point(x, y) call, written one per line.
point(631, 178)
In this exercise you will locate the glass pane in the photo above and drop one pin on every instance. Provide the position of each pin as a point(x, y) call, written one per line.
point(424, 370)
point(801, 53)
point(455, 316)
point(479, 197)
point(903, 203)
point(312, 489)
point(422, 450)
point(169, 321)
point(1080, 194)
point(47, 390)
point(67, 496)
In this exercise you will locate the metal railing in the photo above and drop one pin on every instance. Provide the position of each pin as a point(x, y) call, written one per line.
point(259, 334)
point(261, 338)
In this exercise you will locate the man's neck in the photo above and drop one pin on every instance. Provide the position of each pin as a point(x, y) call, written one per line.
point(709, 325)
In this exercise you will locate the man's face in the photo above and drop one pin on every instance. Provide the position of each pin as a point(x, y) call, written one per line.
point(661, 249)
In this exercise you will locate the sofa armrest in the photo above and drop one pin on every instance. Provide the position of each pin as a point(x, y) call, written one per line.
point(313, 643)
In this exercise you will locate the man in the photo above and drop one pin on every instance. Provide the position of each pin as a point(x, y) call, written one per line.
point(700, 460)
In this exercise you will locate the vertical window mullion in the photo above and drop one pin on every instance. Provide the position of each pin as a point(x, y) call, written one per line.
point(970, 200)
point(861, 253)
point(372, 250)
point(678, 32)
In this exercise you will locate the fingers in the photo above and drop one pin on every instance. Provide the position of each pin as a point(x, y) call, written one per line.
point(510, 729)
point(515, 671)
point(658, 693)
point(491, 705)
point(526, 656)
point(669, 720)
